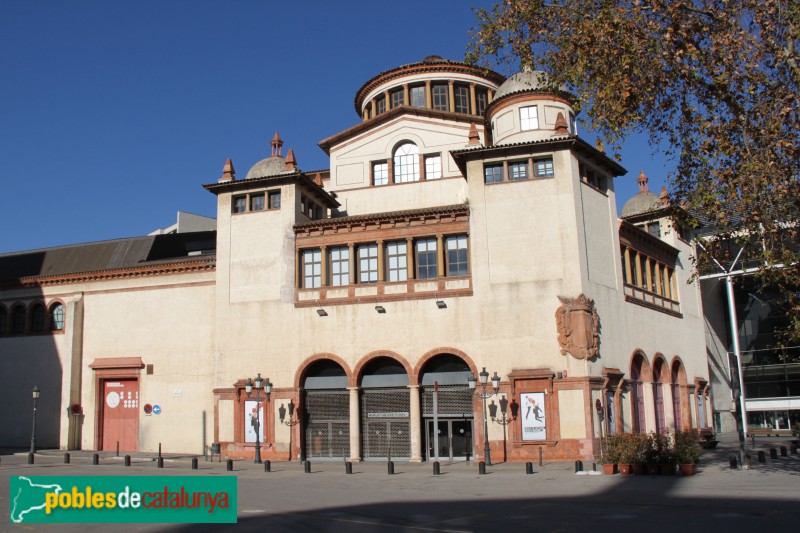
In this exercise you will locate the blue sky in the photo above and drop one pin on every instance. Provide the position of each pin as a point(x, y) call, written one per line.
point(115, 113)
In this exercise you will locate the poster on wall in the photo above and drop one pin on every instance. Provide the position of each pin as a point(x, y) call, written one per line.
point(253, 412)
point(534, 424)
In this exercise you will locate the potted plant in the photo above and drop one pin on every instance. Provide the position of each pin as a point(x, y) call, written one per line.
point(629, 453)
point(609, 453)
point(651, 447)
point(708, 440)
point(686, 452)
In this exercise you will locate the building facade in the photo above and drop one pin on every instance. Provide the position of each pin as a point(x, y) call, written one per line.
point(462, 226)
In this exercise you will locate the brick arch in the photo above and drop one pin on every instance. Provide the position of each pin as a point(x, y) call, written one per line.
point(647, 372)
point(12, 311)
point(49, 314)
point(659, 358)
point(359, 368)
point(677, 361)
point(301, 370)
point(414, 379)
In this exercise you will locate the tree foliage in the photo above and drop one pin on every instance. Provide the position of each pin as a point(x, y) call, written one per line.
point(715, 81)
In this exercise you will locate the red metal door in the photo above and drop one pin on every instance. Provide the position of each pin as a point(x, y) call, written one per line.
point(121, 415)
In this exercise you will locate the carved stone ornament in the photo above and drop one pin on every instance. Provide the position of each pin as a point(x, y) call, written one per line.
point(578, 327)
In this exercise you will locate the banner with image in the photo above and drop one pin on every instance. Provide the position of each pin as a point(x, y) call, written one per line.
point(253, 418)
point(532, 416)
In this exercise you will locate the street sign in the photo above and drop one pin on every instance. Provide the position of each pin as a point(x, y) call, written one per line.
point(156, 409)
point(148, 409)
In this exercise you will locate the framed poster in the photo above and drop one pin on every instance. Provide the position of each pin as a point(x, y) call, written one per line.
point(251, 420)
point(534, 422)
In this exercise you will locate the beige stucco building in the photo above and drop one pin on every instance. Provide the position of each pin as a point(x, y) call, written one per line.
point(462, 225)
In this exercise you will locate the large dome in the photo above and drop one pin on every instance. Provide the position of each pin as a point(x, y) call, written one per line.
point(644, 201)
point(270, 166)
point(527, 80)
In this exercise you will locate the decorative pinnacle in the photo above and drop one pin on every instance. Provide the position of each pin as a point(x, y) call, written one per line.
point(642, 181)
point(474, 138)
point(561, 125)
point(277, 145)
point(291, 163)
point(228, 171)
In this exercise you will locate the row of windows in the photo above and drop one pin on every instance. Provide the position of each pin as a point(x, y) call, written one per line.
point(405, 166)
point(311, 209)
point(518, 170)
point(644, 272)
point(439, 98)
point(34, 319)
point(256, 201)
point(422, 254)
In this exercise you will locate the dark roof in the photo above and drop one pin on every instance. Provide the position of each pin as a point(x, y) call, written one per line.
point(107, 255)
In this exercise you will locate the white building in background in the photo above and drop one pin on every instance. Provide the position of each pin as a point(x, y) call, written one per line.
point(462, 225)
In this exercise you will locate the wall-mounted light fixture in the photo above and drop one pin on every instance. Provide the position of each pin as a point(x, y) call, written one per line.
point(321, 312)
point(440, 304)
point(380, 309)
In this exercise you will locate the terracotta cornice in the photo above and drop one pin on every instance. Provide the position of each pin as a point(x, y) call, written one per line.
point(148, 270)
point(367, 125)
point(407, 216)
point(116, 362)
point(271, 181)
point(442, 65)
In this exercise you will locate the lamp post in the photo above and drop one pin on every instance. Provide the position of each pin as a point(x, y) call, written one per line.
point(504, 421)
point(248, 387)
point(484, 394)
point(35, 395)
point(291, 421)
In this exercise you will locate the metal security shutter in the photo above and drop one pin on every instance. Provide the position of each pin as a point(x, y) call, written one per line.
point(327, 424)
point(385, 423)
point(454, 401)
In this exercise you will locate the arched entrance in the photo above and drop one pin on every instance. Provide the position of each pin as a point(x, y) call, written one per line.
point(385, 410)
point(678, 379)
point(658, 395)
point(454, 405)
point(326, 415)
point(637, 395)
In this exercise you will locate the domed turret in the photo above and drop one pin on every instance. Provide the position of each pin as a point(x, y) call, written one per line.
point(274, 164)
point(644, 201)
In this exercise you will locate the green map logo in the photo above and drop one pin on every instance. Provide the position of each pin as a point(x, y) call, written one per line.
point(122, 499)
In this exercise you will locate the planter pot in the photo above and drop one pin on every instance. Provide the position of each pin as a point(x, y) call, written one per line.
point(638, 469)
point(652, 469)
point(688, 470)
point(708, 444)
point(625, 469)
point(666, 470)
point(609, 469)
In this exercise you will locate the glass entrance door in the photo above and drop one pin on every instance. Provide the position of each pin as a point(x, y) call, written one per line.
point(455, 439)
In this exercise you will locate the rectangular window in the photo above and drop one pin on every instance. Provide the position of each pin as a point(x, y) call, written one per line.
point(433, 167)
point(257, 202)
point(380, 173)
point(481, 100)
point(518, 170)
point(543, 168)
point(573, 124)
point(380, 105)
point(440, 96)
point(368, 263)
point(426, 258)
point(493, 173)
point(528, 118)
point(417, 96)
point(239, 204)
point(462, 98)
point(275, 200)
point(398, 98)
point(340, 266)
point(312, 268)
point(396, 261)
point(457, 264)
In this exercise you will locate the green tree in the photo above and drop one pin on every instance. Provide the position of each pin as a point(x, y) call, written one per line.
point(716, 82)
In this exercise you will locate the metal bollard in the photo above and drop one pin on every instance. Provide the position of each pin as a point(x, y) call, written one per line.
point(230, 465)
point(734, 462)
point(348, 467)
point(30, 458)
point(66, 458)
point(762, 457)
point(390, 468)
point(773, 453)
point(308, 467)
point(793, 448)
point(578, 466)
point(748, 460)
point(436, 470)
point(194, 463)
point(482, 468)
point(540, 455)
point(529, 468)
point(127, 460)
point(784, 452)
point(160, 462)
point(95, 459)
point(117, 454)
point(267, 466)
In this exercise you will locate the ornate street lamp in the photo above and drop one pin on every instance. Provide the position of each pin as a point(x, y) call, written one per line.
point(35, 395)
point(484, 394)
point(291, 421)
point(504, 421)
point(248, 388)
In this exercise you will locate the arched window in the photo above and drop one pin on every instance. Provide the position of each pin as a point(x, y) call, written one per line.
point(637, 396)
point(406, 163)
point(3, 320)
point(37, 317)
point(658, 396)
point(57, 317)
point(18, 320)
point(676, 395)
